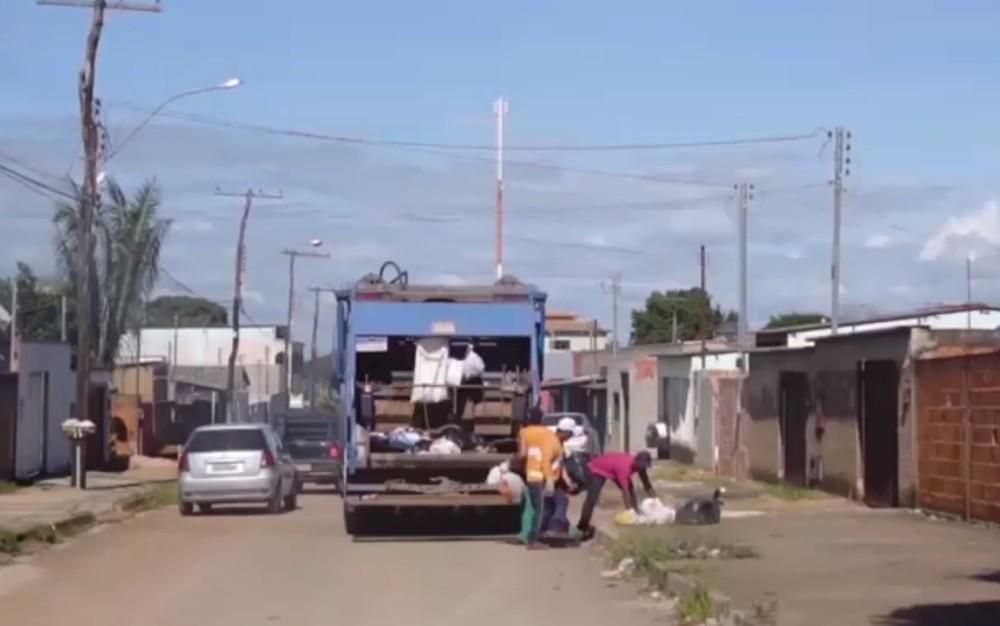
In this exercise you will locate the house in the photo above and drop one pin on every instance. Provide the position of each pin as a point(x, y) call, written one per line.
point(261, 354)
point(34, 401)
point(842, 414)
point(969, 316)
point(636, 389)
point(568, 332)
point(156, 406)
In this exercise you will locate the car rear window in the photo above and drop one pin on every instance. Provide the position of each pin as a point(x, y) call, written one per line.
point(224, 440)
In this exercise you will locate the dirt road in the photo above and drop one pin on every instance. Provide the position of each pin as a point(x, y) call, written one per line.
point(300, 569)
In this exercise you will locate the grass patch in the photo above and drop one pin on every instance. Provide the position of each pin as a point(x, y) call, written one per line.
point(8, 487)
point(158, 496)
point(789, 493)
point(695, 607)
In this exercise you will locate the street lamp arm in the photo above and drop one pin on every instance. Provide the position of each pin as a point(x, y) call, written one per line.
point(229, 84)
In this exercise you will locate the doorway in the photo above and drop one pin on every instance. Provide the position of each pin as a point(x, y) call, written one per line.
point(794, 413)
point(878, 414)
point(626, 418)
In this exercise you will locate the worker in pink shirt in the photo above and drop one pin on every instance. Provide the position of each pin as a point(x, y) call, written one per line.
point(617, 467)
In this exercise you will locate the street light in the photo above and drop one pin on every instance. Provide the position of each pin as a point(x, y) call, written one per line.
point(231, 83)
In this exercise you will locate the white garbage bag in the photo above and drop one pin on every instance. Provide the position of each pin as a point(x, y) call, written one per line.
point(443, 445)
point(430, 371)
point(653, 512)
point(472, 365)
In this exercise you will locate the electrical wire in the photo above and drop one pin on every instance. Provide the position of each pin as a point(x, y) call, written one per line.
point(34, 184)
point(742, 141)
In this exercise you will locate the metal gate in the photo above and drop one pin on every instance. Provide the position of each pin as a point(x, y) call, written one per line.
point(31, 428)
point(8, 425)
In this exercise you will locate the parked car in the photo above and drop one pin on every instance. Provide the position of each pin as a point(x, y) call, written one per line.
point(236, 464)
point(592, 446)
point(312, 439)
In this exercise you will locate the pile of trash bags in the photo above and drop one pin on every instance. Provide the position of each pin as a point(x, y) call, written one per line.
point(449, 439)
point(508, 482)
point(695, 512)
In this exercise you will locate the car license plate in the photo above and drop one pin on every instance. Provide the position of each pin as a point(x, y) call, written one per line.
point(303, 467)
point(222, 468)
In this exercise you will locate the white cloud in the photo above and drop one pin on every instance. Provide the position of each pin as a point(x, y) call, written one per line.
point(252, 295)
point(962, 235)
point(879, 241)
point(901, 290)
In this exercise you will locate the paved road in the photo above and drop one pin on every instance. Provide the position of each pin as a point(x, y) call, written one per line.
point(300, 569)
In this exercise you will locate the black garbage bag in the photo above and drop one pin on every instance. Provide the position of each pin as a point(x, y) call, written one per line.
point(577, 469)
point(701, 511)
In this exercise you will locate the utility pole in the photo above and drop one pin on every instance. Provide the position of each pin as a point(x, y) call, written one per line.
point(314, 352)
point(841, 169)
point(292, 255)
point(13, 323)
point(62, 318)
point(616, 292)
point(500, 109)
point(703, 327)
point(968, 291)
point(744, 193)
point(241, 266)
point(89, 199)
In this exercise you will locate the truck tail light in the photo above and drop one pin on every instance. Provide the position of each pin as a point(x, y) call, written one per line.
point(334, 451)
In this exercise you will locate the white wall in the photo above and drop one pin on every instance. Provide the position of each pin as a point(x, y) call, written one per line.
point(259, 351)
point(577, 343)
point(980, 319)
point(684, 367)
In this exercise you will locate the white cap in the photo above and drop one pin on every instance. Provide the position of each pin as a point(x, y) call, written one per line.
point(566, 424)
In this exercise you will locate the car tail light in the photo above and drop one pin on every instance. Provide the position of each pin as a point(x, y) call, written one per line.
point(182, 463)
point(266, 459)
point(334, 452)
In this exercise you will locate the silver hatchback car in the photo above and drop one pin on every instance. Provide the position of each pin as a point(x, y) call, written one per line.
point(236, 464)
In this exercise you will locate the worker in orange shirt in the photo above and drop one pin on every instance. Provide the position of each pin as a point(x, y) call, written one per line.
point(541, 450)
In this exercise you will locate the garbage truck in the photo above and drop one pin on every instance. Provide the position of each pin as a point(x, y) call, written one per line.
point(434, 382)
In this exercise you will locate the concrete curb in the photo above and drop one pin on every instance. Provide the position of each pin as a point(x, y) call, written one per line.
point(678, 584)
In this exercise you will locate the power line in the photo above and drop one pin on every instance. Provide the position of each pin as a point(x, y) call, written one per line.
point(398, 143)
point(34, 184)
point(448, 150)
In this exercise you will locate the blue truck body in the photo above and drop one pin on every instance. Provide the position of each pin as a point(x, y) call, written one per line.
point(378, 325)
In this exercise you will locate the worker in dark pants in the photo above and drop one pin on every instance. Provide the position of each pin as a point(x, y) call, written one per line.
point(542, 451)
point(618, 467)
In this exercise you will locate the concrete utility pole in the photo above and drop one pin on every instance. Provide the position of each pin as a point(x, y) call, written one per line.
point(616, 292)
point(13, 323)
point(62, 318)
point(241, 267)
point(292, 255)
point(314, 352)
point(703, 327)
point(500, 109)
point(841, 168)
point(89, 199)
point(744, 193)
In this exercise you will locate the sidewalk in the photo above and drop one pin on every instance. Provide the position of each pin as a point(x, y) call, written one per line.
point(53, 503)
point(831, 561)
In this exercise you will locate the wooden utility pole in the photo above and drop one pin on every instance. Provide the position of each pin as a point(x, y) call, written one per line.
point(241, 261)
point(292, 255)
point(89, 199)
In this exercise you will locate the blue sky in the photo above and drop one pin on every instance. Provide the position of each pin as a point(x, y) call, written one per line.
point(913, 82)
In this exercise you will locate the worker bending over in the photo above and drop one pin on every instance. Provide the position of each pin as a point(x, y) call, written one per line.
point(618, 467)
point(542, 452)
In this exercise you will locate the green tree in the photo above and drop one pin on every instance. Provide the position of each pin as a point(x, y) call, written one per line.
point(190, 311)
point(795, 318)
point(38, 314)
point(129, 234)
point(692, 308)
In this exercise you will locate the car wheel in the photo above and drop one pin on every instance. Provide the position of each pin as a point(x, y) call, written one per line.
point(292, 499)
point(274, 504)
point(205, 509)
point(185, 508)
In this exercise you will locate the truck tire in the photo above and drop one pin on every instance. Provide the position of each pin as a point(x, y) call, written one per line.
point(352, 521)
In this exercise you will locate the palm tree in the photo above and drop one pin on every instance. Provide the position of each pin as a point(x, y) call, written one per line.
point(129, 235)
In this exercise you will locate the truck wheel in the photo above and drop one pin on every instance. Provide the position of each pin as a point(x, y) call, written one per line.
point(352, 521)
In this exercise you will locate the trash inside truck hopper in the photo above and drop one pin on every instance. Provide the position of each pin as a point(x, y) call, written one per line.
point(435, 382)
